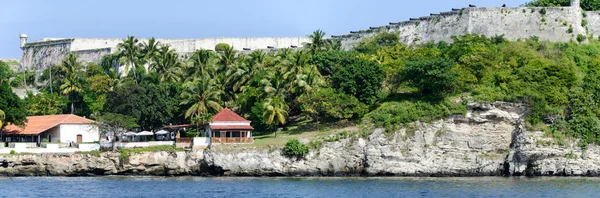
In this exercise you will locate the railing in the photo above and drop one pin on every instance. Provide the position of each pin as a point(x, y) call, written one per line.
point(184, 140)
point(232, 140)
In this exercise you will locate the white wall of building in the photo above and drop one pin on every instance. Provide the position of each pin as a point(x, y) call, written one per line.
point(69, 132)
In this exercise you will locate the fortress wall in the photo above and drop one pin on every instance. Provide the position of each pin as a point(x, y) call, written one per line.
point(191, 45)
point(94, 43)
point(593, 18)
point(515, 23)
point(92, 55)
point(43, 54)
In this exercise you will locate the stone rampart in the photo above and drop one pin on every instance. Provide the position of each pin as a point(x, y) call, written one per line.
point(559, 24)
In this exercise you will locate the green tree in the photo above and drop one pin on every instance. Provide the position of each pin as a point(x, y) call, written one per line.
point(317, 41)
point(203, 98)
point(71, 84)
point(129, 51)
point(431, 75)
point(113, 125)
point(275, 111)
point(12, 105)
point(150, 50)
point(361, 79)
point(45, 104)
point(5, 72)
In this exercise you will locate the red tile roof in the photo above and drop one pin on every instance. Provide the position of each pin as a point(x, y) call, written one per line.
point(227, 115)
point(231, 127)
point(38, 124)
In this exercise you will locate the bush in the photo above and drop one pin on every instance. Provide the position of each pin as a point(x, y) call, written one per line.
point(390, 115)
point(362, 79)
point(221, 47)
point(45, 140)
point(13, 152)
point(294, 148)
point(580, 38)
point(431, 75)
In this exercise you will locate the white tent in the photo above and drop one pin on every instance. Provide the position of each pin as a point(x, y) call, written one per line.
point(161, 132)
point(145, 133)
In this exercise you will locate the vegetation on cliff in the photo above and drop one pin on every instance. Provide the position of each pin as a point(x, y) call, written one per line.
point(381, 83)
point(585, 4)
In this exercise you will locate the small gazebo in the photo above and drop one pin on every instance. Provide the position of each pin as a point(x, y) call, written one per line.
point(229, 127)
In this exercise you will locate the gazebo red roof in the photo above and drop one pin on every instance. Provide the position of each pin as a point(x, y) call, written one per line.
point(227, 115)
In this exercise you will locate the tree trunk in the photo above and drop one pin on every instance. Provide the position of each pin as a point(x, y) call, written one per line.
point(72, 107)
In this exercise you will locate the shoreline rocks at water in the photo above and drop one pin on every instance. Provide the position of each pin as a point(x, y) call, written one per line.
point(490, 140)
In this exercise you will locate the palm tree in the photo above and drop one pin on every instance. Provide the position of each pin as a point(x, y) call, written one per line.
point(317, 41)
point(227, 56)
point(198, 64)
point(275, 111)
point(167, 65)
point(203, 97)
point(71, 83)
point(150, 50)
point(129, 50)
point(333, 44)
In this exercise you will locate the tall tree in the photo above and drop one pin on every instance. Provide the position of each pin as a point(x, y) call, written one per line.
point(129, 50)
point(203, 97)
point(317, 41)
point(71, 84)
point(12, 105)
point(150, 50)
point(275, 111)
point(113, 124)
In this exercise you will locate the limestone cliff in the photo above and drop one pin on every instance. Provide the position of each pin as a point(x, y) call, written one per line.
point(490, 140)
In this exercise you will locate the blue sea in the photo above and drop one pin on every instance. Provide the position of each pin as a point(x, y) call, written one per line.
point(116, 186)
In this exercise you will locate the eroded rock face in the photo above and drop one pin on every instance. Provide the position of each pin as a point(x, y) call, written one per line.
point(489, 140)
point(154, 163)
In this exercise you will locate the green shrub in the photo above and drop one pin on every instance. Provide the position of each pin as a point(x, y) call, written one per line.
point(543, 11)
point(13, 152)
point(584, 22)
point(221, 47)
point(45, 140)
point(294, 148)
point(570, 30)
point(390, 115)
point(580, 38)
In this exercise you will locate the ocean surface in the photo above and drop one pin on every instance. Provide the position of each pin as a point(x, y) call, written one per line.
point(297, 187)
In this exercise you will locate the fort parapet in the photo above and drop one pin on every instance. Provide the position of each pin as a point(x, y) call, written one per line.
point(547, 23)
point(48, 51)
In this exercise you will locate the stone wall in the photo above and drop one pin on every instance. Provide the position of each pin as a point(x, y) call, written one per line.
point(41, 55)
point(593, 26)
point(550, 24)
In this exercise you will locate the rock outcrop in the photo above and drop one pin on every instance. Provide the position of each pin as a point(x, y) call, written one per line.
point(490, 140)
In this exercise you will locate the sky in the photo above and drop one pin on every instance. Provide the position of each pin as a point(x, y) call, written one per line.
point(204, 19)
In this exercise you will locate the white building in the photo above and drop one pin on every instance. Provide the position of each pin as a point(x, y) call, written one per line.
point(53, 128)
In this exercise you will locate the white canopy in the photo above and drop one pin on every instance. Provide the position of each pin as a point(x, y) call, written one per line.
point(161, 132)
point(129, 133)
point(145, 133)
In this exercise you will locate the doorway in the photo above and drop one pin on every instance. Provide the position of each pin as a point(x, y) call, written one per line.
point(79, 138)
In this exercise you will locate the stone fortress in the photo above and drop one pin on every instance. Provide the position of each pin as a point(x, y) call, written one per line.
point(547, 23)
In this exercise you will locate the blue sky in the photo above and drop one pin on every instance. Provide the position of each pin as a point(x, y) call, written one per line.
point(201, 18)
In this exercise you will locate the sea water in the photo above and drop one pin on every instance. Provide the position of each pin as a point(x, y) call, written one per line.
point(117, 186)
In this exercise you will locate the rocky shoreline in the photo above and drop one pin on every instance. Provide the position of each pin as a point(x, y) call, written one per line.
point(490, 140)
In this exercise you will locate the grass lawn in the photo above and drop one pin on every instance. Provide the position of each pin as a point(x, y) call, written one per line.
point(302, 131)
